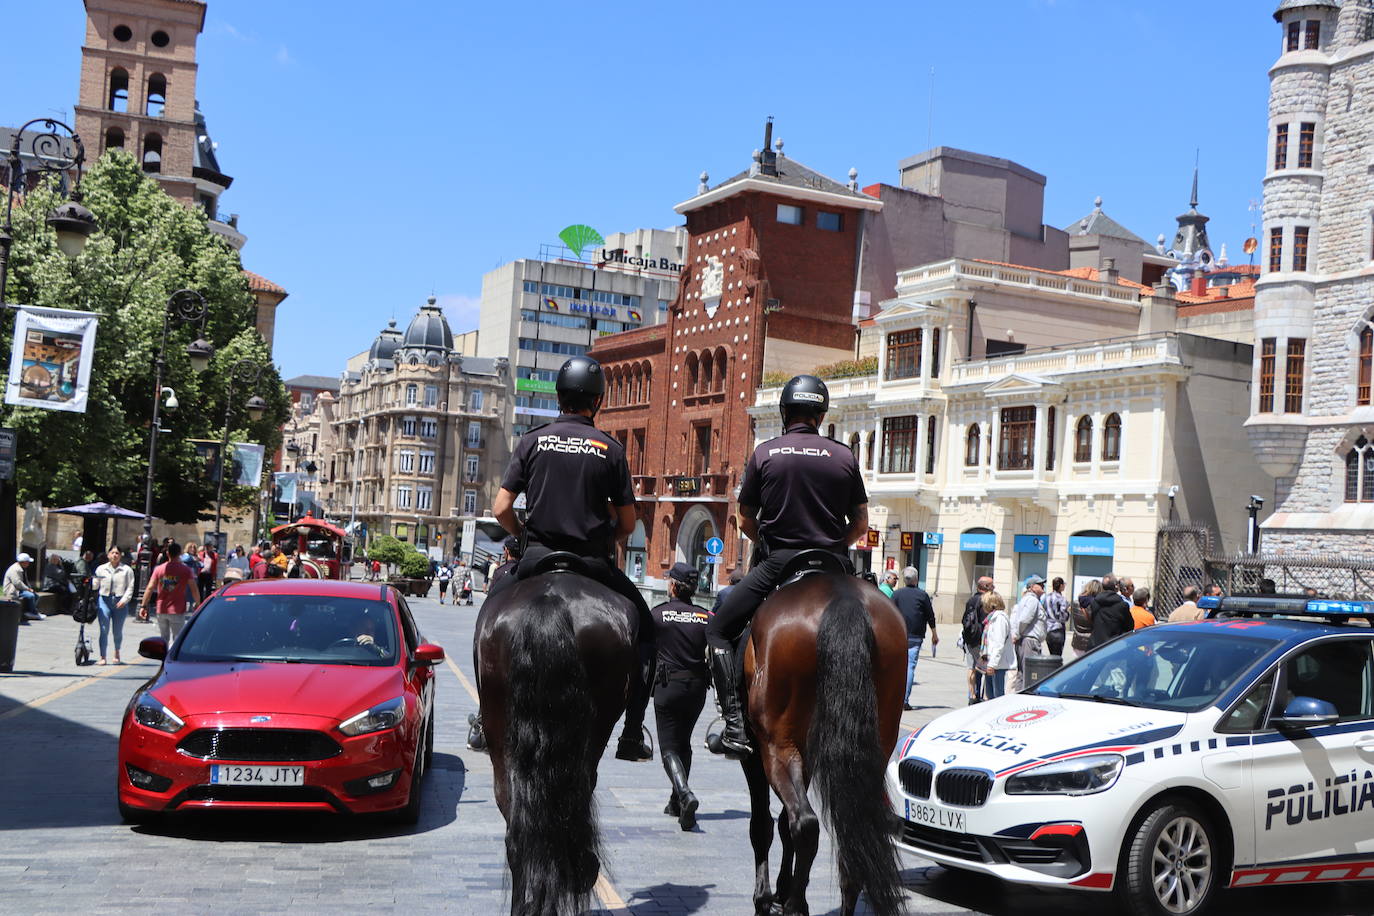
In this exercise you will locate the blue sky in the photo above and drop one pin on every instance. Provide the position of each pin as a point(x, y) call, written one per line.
point(382, 152)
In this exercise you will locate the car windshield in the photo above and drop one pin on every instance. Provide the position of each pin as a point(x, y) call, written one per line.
point(312, 629)
point(1178, 668)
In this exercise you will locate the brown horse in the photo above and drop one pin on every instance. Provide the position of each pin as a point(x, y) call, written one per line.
point(825, 667)
point(554, 655)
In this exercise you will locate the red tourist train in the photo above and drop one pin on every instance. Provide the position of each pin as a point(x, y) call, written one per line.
point(326, 551)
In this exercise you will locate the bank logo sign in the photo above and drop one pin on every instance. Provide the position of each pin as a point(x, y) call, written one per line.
point(579, 238)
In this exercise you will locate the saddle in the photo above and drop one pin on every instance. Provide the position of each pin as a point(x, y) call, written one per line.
point(560, 561)
point(809, 562)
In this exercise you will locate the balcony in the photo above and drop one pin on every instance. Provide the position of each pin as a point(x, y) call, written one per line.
point(958, 272)
point(473, 444)
point(1096, 356)
point(644, 485)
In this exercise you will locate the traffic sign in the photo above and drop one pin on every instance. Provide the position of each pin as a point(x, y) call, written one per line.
point(715, 546)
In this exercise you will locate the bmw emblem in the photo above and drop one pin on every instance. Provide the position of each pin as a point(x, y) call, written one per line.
point(261, 719)
point(950, 758)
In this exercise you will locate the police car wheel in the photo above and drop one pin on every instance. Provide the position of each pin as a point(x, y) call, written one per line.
point(1170, 862)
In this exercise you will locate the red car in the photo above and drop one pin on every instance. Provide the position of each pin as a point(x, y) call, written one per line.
point(284, 694)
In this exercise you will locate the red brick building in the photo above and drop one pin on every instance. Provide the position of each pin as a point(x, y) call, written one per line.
point(769, 285)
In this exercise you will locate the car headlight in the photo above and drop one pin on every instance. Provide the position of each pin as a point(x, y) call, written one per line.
point(149, 711)
point(384, 715)
point(1079, 776)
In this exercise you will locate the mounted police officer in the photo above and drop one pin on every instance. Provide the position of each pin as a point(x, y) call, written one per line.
point(680, 688)
point(580, 500)
point(799, 491)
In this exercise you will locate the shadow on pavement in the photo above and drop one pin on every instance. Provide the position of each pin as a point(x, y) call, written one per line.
point(674, 898)
point(729, 814)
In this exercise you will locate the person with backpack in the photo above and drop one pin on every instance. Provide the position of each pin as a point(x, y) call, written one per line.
point(444, 575)
point(972, 634)
point(1056, 617)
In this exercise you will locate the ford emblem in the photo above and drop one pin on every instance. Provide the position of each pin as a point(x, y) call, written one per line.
point(261, 719)
point(950, 758)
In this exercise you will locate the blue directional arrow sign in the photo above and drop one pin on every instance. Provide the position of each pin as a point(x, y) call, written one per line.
point(715, 546)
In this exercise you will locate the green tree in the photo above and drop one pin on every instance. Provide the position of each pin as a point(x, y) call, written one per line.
point(148, 246)
point(386, 549)
point(415, 565)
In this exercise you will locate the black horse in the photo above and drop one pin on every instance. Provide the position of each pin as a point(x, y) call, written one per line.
point(554, 654)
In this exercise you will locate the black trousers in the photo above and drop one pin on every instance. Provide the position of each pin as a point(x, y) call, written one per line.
point(677, 706)
point(726, 626)
point(598, 568)
point(1055, 640)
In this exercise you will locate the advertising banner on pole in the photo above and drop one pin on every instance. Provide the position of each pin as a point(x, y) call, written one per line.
point(286, 487)
point(207, 457)
point(50, 363)
point(246, 470)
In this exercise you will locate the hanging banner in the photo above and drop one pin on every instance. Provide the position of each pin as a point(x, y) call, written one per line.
point(246, 470)
point(286, 487)
point(207, 458)
point(50, 363)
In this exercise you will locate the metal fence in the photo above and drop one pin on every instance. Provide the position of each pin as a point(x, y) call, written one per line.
point(1326, 575)
point(1181, 553)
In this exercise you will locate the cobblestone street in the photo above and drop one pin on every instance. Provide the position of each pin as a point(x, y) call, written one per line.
point(65, 850)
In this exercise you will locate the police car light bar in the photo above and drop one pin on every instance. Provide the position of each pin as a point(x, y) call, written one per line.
point(1276, 606)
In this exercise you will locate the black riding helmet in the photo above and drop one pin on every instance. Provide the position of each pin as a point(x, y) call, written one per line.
point(804, 391)
point(581, 375)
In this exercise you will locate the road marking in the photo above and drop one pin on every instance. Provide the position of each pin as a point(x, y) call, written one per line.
point(610, 900)
point(59, 694)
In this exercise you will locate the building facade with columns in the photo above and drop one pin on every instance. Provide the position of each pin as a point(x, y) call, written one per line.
point(1025, 421)
point(1311, 416)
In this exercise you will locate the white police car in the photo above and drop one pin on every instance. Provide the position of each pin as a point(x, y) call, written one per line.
point(1235, 751)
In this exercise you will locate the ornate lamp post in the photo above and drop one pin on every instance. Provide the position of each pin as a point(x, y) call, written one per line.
point(245, 372)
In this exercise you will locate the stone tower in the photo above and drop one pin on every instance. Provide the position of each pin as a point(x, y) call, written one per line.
point(1311, 415)
point(138, 93)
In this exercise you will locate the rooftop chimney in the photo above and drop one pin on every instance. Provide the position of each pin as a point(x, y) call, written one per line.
point(1199, 285)
point(768, 164)
point(1108, 273)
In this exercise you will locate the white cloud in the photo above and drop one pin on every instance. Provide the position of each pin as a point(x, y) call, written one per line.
point(461, 310)
point(284, 56)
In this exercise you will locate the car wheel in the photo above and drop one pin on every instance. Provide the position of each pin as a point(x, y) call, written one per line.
point(429, 742)
point(410, 812)
point(1170, 862)
point(132, 815)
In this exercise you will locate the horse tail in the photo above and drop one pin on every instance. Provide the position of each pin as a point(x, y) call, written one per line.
point(552, 840)
point(845, 753)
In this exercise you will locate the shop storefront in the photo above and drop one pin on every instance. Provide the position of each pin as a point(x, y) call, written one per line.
point(920, 549)
point(1032, 557)
point(861, 554)
point(977, 553)
point(1091, 553)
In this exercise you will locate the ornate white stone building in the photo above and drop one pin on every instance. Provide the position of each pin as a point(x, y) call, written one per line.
point(1311, 415)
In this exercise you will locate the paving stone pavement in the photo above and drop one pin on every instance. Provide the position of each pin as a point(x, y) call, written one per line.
point(63, 848)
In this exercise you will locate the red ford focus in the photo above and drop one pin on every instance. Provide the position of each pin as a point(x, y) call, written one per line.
point(287, 694)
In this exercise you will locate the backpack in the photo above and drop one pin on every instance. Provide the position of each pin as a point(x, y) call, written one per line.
point(973, 626)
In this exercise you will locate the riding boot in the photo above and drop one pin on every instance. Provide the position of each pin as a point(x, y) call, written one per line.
point(631, 745)
point(671, 809)
point(477, 739)
point(686, 801)
point(735, 739)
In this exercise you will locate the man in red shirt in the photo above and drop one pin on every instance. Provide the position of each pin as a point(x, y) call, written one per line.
point(169, 586)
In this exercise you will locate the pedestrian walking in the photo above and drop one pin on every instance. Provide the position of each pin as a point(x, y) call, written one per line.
point(238, 566)
point(1056, 616)
point(971, 635)
point(680, 686)
point(997, 654)
point(465, 585)
point(209, 569)
point(1027, 629)
point(1188, 610)
point(1111, 615)
point(1140, 609)
point(889, 584)
point(916, 609)
point(444, 575)
point(114, 588)
point(16, 587)
point(171, 589)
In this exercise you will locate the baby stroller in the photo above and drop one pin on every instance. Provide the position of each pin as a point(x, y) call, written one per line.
point(84, 611)
point(465, 591)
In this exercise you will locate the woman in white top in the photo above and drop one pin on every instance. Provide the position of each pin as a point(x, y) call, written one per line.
point(999, 653)
point(114, 583)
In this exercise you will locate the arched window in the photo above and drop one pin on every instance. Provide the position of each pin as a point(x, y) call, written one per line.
point(868, 451)
point(411, 391)
point(1083, 439)
point(119, 90)
point(972, 441)
point(114, 138)
point(691, 386)
point(721, 368)
point(157, 95)
point(1359, 472)
point(638, 391)
point(648, 383)
point(1366, 363)
point(707, 365)
point(152, 153)
point(854, 444)
point(1111, 438)
point(830, 431)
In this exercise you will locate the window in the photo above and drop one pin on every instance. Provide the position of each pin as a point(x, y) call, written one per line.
point(691, 363)
point(638, 467)
point(474, 437)
point(708, 362)
point(551, 346)
point(1300, 234)
point(930, 444)
point(1297, 363)
point(159, 39)
point(411, 392)
point(1050, 435)
point(402, 531)
point(1281, 147)
point(1307, 134)
point(972, 441)
point(475, 399)
point(1276, 249)
point(701, 457)
point(1266, 375)
point(119, 90)
point(1366, 364)
point(789, 214)
point(431, 395)
point(934, 352)
point(152, 153)
point(1294, 36)
point(407, 426)
point(470, 469)
point(903, 354)
point(157, 95)
point(1314, 35)
point(123, 33)
point(868, 452)
point(405, 461)
point(114, 138)
point(426, 461)
point(424, 497)
point(1359, 472)
point(429, 428)
point(993, 347)
point(1016, 452)
point(854, 445)
point(469, 502)
point(899, 445)
point(1338, 671)
point(403, 492)
point(1083, 439)
point(1111, 438)
point(831, 222)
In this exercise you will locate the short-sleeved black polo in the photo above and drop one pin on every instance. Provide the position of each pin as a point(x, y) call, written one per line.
point(805, 487)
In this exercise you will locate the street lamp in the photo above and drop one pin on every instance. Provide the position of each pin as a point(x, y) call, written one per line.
point(245, 372)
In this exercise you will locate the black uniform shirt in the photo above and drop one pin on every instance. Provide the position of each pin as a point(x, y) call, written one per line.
point(804, 486)
point(681, 629)
point(916, 610)
point(570, 471)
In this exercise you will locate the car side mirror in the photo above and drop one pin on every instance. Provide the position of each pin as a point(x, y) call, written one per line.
point(429, 654)
point(154, 647)
point(1305, 712)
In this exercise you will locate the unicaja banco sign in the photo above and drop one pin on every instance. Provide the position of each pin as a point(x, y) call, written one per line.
point(621, 256)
